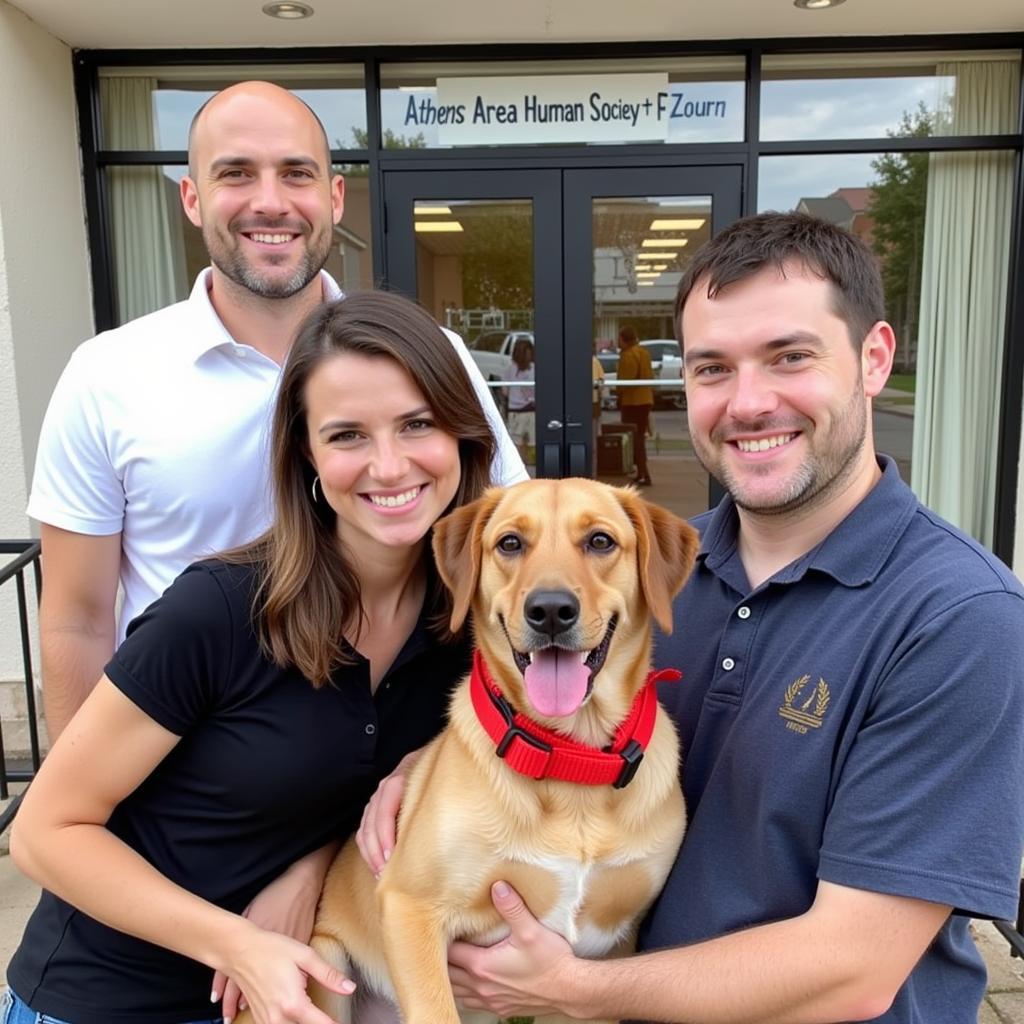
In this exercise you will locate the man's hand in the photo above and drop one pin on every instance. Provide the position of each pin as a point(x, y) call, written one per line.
point(377, 830)
point(522, 974)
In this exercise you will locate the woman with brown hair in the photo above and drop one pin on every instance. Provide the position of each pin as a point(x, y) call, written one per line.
point(240, 728)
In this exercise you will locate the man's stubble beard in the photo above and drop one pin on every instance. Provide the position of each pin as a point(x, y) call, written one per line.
point(231, 262)
point(819, 476)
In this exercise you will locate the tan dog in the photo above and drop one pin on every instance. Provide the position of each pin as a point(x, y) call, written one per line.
point(562, 577)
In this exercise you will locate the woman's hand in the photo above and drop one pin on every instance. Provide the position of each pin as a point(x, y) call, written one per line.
point(272, 970)
point(377, 832)
point(287, 906)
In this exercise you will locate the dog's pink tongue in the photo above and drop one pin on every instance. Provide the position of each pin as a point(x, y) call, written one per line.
point(556, 681)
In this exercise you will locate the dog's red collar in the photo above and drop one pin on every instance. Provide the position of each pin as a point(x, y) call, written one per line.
point(541, 753)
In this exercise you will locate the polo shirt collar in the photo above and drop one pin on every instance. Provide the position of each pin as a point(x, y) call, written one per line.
point(208, 331)
point(853, 553)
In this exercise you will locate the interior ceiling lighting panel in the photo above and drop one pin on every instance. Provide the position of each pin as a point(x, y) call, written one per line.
point(438, 225)
point(677, 225)
point(656, 255)
point(674, 243)
point(427, 210)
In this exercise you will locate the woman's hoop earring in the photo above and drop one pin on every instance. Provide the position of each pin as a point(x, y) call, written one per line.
point(316, 480)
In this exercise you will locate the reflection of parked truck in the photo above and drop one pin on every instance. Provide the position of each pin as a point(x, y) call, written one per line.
point(492, 352)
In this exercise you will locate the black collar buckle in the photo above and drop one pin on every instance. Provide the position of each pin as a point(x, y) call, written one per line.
point(632, 754)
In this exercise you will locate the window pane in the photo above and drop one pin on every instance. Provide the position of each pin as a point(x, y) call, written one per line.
point(938, 224)
point(158, 253)
point(642, 246)
point(837, 96)
point(696, 99)
point(151, 108)
point(474, 272)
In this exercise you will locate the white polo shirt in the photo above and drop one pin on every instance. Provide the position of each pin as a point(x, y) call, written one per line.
point(159, 430)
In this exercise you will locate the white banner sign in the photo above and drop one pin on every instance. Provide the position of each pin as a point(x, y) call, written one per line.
point(550, 108)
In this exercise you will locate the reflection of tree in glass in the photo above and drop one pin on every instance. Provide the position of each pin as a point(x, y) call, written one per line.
point(497, 260)
point(391, 140)
point(897, 204)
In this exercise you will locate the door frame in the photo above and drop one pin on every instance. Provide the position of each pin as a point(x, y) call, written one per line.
point(562, 192)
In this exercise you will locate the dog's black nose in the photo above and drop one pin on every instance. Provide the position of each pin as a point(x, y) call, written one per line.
point(552, 611)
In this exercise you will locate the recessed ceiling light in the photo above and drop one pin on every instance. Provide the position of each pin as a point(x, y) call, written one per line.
point(656, 255)
point(289, 10)
point(422, 209)
point(674, 243)
point(657, 266)
point(438, 225)
point(816, 5)
point(678, 225)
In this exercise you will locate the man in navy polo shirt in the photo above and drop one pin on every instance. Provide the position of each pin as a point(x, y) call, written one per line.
point(852, 704)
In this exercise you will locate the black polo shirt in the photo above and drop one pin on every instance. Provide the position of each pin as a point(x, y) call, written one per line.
point(268, 769)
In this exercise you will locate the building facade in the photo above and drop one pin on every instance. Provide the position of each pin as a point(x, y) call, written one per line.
point(549, 194)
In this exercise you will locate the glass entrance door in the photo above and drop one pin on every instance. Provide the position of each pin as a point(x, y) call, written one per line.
point(546, 273)
point(640, 228)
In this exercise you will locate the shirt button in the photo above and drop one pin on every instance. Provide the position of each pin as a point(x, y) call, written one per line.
point(728, 664)
point(370, 729)
point(744, 612)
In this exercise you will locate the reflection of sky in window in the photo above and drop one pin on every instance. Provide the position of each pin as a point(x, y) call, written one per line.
point(723, 126)
point(844, 108)
point(782, 181)
point(341, 111)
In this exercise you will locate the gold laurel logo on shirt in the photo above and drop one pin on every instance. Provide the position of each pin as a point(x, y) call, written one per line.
point(803, 714)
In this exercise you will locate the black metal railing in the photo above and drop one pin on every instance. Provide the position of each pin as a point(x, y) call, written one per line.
point(26, 553)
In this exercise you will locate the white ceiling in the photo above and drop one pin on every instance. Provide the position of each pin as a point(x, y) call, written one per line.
point(107, 24)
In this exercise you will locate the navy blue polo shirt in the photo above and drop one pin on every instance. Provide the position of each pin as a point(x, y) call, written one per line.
point(857, 718)
point(267, 770)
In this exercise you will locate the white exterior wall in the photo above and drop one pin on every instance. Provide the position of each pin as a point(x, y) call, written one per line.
point(45, 297)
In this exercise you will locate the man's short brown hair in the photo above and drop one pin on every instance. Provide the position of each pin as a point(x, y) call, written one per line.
point(777, 239)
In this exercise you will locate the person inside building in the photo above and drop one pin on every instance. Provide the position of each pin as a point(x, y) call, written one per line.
point(521, 405)
point(153, 450)
point(236, 733)
point(852, 701)
point(636, 401)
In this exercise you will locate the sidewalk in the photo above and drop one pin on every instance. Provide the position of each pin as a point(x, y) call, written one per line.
point(1004, 1005)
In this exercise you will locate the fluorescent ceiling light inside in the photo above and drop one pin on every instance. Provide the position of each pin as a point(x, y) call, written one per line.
point(426, 210)
point(656, 255)
point(677, 225)
point(438, 225)
point(672, 243)
point(659, 266)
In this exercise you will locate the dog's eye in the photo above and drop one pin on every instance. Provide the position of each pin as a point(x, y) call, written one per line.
point(601, 542)
point(510, 544)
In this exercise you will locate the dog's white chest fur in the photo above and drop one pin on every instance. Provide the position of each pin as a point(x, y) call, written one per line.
point(575, 883)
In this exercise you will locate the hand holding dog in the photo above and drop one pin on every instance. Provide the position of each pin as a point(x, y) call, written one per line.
point(286, 906)
point(523, 974)
point(377, 829)
point(272, 970)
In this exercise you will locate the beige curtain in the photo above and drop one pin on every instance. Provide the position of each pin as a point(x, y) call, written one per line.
point(963, 301)
point(145, 218)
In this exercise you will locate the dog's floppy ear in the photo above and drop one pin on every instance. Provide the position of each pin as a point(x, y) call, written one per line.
point(457, 542)
point(666, 548)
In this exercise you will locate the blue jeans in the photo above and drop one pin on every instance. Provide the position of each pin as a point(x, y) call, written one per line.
point(13, 1010)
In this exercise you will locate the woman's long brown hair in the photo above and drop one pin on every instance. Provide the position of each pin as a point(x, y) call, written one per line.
point(307, 591)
